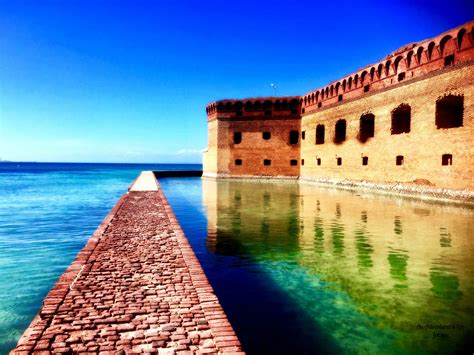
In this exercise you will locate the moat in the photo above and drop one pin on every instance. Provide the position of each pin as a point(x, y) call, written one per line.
point(299, 268)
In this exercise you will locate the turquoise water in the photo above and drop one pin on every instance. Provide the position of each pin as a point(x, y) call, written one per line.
point(47, 213)
point(298, 269)
point(301, 269)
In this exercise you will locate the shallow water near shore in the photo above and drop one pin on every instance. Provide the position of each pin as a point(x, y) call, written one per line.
point(48, 211)
point(301, 269)
point(298, 268)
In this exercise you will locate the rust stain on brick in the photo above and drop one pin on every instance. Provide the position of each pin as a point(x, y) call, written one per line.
point(136, 286)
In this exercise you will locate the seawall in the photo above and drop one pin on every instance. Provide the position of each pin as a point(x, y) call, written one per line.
point(136, 286)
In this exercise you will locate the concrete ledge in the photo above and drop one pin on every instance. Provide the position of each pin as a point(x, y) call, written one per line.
point(424, 192)
point(146, 181)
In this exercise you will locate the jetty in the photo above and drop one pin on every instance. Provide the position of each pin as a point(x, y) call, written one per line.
point(136, 286)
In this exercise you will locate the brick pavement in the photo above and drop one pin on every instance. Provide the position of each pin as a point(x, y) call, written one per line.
point(137, 286)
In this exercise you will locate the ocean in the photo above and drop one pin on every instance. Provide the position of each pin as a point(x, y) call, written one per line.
point(47, 213)
point(298, 269)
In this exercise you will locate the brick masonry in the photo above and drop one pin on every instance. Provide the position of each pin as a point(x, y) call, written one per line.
point(136, 286)
point(418, 75)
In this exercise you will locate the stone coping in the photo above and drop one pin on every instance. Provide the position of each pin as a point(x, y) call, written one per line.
point(146, 181)
point(404, 189)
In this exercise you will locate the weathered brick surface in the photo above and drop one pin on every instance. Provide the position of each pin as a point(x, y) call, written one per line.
point(417, 75)
point(137, 286)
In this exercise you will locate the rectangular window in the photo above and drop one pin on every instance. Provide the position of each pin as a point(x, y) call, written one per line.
point(238, 113)
point(401, 119)
point(320, 104)
point(366, 127)
point(401, 76)
point(238, 161)
point(268, 112)
point(320, 134)
point(340, 135)
point(339, 98)
point(318, 161)
point(449, 60)
point(302, 161)
point(339, 161)
point(237, 137)
point(303, 135)
point(266, 135)
point(267, 162)
point(366, 88)
point(447, 159)
point(294, 137)
point(399, 160)
point(293, 162)
point(449, 111)
point(365, 160)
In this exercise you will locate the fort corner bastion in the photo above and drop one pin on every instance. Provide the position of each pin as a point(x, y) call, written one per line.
point(404, 124)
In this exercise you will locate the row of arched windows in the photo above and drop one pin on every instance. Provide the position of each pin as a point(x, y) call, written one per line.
point(448, 114)
point(417, 55)
point(255, 105)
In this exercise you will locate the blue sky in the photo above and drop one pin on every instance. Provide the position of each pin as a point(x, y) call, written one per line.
point(128, 81)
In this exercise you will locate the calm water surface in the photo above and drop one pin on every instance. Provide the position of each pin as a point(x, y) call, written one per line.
point(301, 269)
point(47, 213)
point(298, 269)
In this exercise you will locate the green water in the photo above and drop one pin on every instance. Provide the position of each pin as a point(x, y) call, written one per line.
point(373, 273)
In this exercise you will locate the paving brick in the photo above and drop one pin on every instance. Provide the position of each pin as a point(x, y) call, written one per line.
point(137, 288)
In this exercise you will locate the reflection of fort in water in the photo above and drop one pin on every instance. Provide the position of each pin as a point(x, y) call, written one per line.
point(387, 254)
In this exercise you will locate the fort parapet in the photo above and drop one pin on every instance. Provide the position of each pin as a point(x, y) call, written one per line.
point(404, 120)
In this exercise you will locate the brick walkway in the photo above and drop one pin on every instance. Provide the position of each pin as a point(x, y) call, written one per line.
point(136, 286)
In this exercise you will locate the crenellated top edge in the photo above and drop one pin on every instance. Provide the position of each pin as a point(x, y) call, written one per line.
point(413, 60)
point(409, 61)
point(255, 104)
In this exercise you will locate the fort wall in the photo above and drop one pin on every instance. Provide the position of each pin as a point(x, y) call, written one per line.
point(421, 149)
point(405, 120)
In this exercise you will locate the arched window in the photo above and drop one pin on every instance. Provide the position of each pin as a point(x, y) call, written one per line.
point(349, 83)
point(460, 37)
point(442, 43)
point(419, 53)
point(363, 76)
point(430, 50)
point(372, 73)
point(238, 105)
point(396, 63)
point(344, 83)
point(356, 81)
point(409, 57)
point(337, 88)
point(379, 70)
point(388, 64)
point(248, 106)
point(401, 119)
